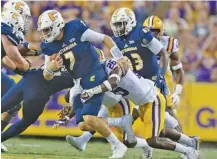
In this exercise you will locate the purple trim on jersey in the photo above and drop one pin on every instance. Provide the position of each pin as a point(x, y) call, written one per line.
point(128, 105)
point(122, 106)
point(153, 119)
point(159, 113)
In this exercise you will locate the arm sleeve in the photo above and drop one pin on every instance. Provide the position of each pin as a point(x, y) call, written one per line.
point(154, 45)
point(92, 36)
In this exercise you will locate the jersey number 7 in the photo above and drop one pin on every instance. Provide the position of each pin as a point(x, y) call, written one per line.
point(70, 56)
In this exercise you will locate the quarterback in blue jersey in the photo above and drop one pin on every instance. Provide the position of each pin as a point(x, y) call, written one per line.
point(72, 42)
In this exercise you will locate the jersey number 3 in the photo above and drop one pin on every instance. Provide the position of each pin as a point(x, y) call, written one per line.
point(70, 56)
point(135, 61)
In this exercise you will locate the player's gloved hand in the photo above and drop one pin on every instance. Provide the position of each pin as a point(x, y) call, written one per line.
point(74, 91)
point(175, 98)
point(160, 77)
point(123, 65)
point(55, 64)
point(59, 122)
point(86, 95)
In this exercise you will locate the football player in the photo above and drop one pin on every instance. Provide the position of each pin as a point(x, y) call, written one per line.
point(12, 27)
point(155, 25)
point(21, 8)
point(72, 41)
point(152, 108)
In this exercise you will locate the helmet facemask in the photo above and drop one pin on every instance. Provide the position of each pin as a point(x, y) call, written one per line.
point(119, 28)
point(156, 33)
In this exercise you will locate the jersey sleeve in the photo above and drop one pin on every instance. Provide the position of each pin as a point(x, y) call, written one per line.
point(173, 45)
point(81, 26)
point(11, 35)
point(146, 36)
point(110, 65)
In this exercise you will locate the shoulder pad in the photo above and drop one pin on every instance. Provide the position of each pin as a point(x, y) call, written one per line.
point(146, 35)
point(11, 34)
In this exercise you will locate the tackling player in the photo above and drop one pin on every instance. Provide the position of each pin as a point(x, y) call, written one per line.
point(155, 25)
point(143, 93)
point(72, 42)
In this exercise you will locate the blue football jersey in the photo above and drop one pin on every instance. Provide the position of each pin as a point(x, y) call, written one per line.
point(133, 47)
point(79, 58)
point(11, 35)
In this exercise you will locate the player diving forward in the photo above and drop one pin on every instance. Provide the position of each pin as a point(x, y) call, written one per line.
point(155, 25)
point(72, 42)
point(152, 106)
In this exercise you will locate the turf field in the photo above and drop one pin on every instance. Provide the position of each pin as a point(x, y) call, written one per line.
point(29, 148)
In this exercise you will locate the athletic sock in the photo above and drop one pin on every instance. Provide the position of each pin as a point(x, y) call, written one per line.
point(141, 143)
point(186, 140)
point(182, 148)
point(115, 122)
point(86, 136)
point(3, 124)
point(112, 139)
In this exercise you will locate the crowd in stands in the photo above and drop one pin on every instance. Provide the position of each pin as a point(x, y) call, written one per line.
point(193, 23)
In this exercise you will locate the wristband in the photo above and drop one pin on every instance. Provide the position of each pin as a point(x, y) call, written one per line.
point(177, 67)
point(178, 89)
point(108, 85)
point(48, 71)
point(116, 53)
point(96, 90)
point(116, 76)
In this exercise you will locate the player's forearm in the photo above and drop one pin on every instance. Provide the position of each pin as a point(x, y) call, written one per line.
point(114, 50)
point(36, 46)
point(180, 76)
point(8, 63)
point(164, 59)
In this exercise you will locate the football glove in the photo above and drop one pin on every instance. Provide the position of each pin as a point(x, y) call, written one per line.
point(86, 95)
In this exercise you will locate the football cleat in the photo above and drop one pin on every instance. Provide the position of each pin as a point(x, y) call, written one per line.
point(118, 150)
point(193, 154)
point(76, 142)
point(3, 148)
point(147, 153)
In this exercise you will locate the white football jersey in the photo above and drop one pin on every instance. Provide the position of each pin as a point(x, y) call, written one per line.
point(139, 90)
point(171, 45)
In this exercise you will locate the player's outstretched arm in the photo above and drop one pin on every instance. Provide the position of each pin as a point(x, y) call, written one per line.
point(107, 85)
point(94, 37)
point(164, 60)
point(177, 67)
point(14, 54)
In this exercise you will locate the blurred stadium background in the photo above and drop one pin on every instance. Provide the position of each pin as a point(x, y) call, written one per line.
point(194, 24)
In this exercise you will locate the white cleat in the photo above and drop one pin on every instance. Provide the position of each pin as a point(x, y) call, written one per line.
point(3, 148)
point(147, 153)
point(126, 125)
point(193, 154)
point(118, 150)
point(76, 142)
point(197, 143)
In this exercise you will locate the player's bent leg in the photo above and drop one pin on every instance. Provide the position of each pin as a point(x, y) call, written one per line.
point(181, 138)
point(32, 109)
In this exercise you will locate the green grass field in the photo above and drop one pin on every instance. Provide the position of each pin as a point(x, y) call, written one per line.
point(29, 148)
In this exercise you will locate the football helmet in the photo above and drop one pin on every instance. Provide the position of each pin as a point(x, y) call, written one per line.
point(155, 24)
point(123, 21)
point(22, 8)
point(14, 20)
point(50, 24)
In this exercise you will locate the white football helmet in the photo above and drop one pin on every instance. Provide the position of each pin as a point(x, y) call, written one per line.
point(50, 24)
point(14, 20)
point(123, 21)
point(22, 8)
